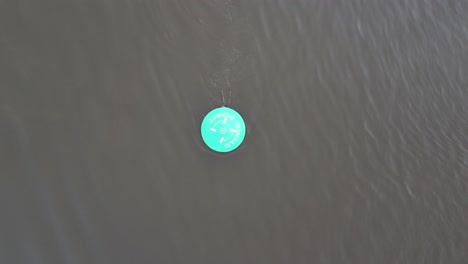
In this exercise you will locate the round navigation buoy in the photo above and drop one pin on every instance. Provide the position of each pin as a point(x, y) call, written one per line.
point(223, 129)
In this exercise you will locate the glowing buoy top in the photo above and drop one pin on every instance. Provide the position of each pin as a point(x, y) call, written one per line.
point(223, 129)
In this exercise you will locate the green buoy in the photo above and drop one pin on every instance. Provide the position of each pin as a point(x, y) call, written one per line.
point(223, 129)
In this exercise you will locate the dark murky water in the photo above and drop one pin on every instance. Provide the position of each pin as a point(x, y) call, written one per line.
point(357, 150)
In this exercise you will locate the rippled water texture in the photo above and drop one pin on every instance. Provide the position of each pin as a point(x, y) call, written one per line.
point(356, 152)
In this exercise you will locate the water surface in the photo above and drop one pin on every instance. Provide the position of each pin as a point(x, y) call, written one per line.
point(356, 152)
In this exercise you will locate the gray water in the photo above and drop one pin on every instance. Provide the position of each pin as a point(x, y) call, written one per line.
point(356, 152)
